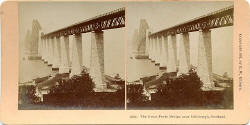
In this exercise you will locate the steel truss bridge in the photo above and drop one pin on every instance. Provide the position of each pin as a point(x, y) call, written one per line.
point(220, 18)
point(110, 20)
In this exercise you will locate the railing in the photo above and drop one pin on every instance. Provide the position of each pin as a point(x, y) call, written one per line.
point(110, 20)
point(220, 18)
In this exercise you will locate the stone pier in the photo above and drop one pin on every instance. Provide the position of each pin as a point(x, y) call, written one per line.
point(76, 68)
point(147, 43)
point(50, 52)
point(149, 48)
point(184, 53)
point(97, 60)
point(157, 51)
point(55, 58)
point(164, 52)
point(64, 65)
point(204, 68)
point(40, 45)
point(57, 52)
point(153, 49)
point(45, 52)
point(172, 54)
point(41, 48)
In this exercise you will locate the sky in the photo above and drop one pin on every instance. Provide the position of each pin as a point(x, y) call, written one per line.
point(159, 15)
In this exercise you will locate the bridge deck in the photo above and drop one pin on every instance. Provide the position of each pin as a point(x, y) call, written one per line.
point(219, 18)
point(110, 20)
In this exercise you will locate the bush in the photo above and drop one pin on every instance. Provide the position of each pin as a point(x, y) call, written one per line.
point(135, 95)
point(78, 92)
point(71, 91)
point(180, 91)
point(82, 84)
point(27, 94)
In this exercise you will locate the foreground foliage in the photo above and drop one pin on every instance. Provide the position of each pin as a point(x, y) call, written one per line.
point(179, 92)
point(27, 94)
point(183, 90)
point(77, 92)
point(135, 95)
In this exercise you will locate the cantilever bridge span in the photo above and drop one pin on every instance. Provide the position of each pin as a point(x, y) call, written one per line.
point(217, 19)
point(161, 46)
point(111, 20)
point(54, 46)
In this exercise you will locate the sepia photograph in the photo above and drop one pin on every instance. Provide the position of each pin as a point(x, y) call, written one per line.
point(71, 55)
point(179, 55)
point(179, 58)
point(125, 62)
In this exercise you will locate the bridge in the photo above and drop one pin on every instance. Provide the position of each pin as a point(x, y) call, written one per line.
point(54, 46)
point(161, 46)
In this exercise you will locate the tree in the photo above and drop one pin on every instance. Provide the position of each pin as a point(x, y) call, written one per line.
point(183, 90)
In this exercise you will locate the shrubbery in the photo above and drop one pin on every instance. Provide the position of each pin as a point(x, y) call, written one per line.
point(183, 90)
point(135, 95)
point(71, 91)
point(179, 91)
point(78, 91)
point(26, 94)
point(82, 84)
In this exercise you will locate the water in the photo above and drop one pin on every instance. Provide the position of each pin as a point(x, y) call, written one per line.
point(138, 68)
point(31, 69)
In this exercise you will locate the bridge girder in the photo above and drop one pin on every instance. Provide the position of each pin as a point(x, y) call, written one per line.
point(220, 18)
point(111, 20)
